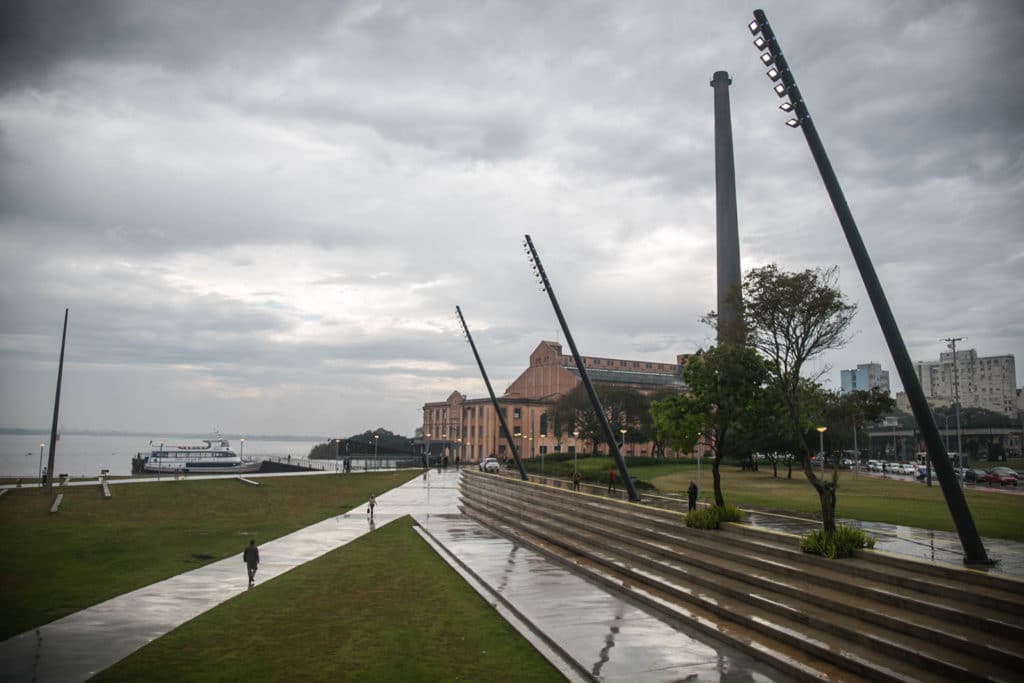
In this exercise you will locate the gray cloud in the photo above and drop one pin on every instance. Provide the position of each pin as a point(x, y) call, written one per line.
point(270, 212)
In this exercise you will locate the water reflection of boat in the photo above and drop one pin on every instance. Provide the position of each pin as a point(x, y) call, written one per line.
point(213, 457)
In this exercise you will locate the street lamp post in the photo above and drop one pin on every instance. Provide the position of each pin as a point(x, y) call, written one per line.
point(623, 432)
point(821, 448)
point(241, 450)
point(376, 440)
point(697, 448)
point(974, 549)
point(41, 446)
point(575, 437)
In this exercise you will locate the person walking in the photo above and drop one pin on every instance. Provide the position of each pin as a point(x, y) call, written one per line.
point(576, 480)
point(251, 557)
point(611, 480)
point(691, 494)
point(369, 508)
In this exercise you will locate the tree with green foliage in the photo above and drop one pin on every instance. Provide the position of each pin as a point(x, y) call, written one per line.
point(793, 318)
point(844, 413)
point(724, 405)
point(624, 407)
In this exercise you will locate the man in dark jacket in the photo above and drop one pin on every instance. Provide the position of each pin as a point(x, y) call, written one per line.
point(691, 494)
point(251, 557)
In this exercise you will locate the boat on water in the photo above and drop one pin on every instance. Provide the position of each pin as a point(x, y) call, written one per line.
point(213, 457)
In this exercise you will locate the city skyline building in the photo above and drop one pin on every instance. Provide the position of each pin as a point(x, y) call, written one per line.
point(865, 377)
point(988, 382)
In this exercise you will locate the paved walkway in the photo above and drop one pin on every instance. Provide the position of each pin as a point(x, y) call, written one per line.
point(587, 632)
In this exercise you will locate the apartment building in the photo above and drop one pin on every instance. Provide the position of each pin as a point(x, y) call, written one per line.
point(866, 377)
point(988, 382)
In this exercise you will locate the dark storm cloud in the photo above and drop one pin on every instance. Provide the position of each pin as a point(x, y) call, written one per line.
point(37, 38)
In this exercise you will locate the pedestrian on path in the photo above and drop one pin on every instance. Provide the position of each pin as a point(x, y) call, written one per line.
point(691, 494)
point(251, 557)
point(611, 480)
point(576, 480)
point(369, 508)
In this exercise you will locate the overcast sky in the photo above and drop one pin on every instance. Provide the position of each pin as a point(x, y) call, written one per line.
point(262, 215)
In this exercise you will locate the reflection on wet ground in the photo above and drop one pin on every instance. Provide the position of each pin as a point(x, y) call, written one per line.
point(609, 636)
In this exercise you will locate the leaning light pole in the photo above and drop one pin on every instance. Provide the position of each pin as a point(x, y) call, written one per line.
point(780, 73)
point(613, 445)
point(494, 400)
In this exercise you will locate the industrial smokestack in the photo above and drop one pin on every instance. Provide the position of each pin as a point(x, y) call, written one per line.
point(728, 237)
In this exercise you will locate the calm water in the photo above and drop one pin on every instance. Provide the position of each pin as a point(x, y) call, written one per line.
point(86, 455)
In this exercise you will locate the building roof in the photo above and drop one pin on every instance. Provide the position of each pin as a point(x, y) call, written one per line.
point(625, 377)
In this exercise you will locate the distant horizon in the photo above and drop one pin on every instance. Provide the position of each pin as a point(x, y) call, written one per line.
point(193, 434)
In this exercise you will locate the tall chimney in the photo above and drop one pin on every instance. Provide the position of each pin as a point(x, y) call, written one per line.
point(728, 238)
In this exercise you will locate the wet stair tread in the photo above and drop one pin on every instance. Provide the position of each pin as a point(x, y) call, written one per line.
point(1002, 601)
point(659, 533)
point(799, 606)
point(824, 571)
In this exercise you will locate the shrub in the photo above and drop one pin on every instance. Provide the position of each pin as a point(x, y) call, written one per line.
point(838, 544)
point(712, 516)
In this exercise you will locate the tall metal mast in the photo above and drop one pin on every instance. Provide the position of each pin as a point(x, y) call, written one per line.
point(613, 445)
point(494, 400)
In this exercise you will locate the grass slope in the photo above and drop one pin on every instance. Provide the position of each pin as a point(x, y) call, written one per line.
point(382, 608)
point(96, 548)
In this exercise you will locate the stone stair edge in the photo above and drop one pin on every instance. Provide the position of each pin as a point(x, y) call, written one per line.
point(1007, 584)
point(908, 576)
point(791, 631)
point(794, 664)
point(626, 546)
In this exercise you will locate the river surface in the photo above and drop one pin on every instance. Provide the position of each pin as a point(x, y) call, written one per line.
point(87, 454)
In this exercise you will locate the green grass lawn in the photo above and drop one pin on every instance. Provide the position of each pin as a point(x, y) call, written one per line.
point(382, 608)
point(870, 499)
point(96, 548)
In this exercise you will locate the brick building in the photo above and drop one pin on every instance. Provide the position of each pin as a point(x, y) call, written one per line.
point(470, 427)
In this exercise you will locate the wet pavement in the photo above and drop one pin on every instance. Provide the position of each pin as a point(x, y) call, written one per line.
point(585, 630)
point(604, 635)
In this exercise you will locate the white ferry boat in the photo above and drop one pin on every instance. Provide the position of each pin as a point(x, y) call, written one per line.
point(213, 457)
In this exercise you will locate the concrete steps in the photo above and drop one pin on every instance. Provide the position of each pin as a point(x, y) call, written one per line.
point(872, 618)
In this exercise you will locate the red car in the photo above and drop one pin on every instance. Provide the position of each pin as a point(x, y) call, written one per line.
point(1003, 476)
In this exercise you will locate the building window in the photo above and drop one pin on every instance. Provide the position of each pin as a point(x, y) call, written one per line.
point(517, 413)
point(543, 424)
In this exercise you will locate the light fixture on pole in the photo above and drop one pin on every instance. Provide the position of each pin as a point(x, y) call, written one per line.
point(623, 432)
point(821, 447)
point(376, 440)
point(241, 450)
point(575, 437)
point(41, 447)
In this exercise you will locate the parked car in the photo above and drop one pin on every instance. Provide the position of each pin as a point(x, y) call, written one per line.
point(1006, 472)
point(490, 465)
point(994, 477)
point(974, 476)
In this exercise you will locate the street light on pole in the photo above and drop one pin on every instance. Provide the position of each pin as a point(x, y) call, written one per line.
point(623, 432)
point(41, 446)
point(241, 450)
point(376, 440)
point(821, 448)
point(575, 436)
